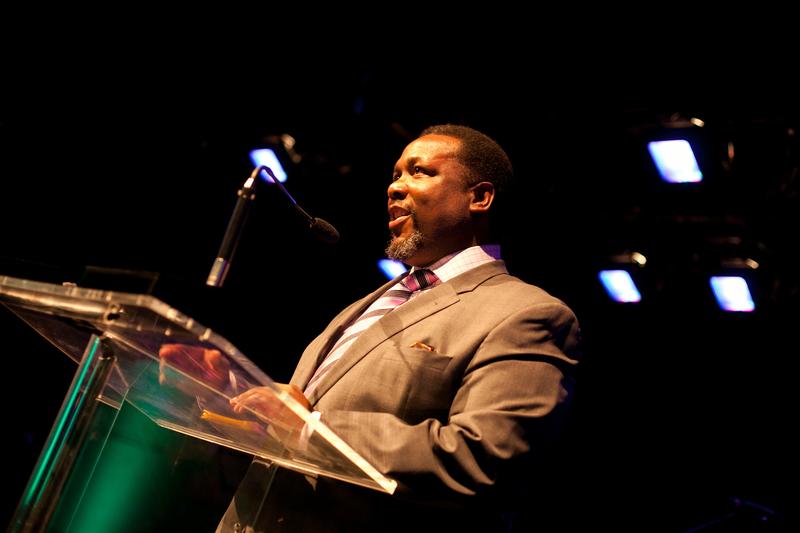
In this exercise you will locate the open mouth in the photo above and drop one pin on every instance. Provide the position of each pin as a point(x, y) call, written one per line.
point(397, 216)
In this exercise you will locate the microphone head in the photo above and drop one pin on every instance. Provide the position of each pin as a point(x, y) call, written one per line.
point(324, 230)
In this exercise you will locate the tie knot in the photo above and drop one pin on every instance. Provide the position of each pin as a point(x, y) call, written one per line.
point(419, 279)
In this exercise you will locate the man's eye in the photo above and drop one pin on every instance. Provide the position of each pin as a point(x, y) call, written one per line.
point(417, 170)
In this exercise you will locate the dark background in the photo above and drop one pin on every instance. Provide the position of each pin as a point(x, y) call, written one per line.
point(683, 414)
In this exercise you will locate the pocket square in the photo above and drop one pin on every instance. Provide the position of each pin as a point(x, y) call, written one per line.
point(422, 346)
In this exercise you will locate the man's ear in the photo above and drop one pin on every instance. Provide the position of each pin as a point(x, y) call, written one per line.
point(482, 195)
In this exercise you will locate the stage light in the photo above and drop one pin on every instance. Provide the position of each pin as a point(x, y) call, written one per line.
point(391, 268)
point(268, 158)
point(619, 275)
point(620, 286)
point(733, 284)
point(675, 161)
point(278, 153)
point(732, 293)
point(682, 153)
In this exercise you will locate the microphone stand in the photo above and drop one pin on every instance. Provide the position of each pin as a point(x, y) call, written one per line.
point(221, 265)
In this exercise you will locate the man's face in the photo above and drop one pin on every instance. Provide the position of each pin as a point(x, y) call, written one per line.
point(429, 200)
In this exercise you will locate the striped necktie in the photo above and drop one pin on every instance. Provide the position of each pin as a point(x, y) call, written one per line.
point(396, 295)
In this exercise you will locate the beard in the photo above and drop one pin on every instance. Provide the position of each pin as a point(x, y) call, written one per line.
point(405, 248)
point(402, 249)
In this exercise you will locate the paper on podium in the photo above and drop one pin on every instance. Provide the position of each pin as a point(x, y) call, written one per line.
point(136, 327)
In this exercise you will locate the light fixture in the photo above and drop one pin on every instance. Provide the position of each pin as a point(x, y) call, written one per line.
point(675, 161)
point(618, 278)
point(680, 149)
point(620, 286)
point(276, 152)
point(391, 268)
point(732, 286)
point(267, 157)
point(732, 293)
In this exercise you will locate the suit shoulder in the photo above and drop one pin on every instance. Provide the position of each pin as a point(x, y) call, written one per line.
point(512, 284)
point(513, 289)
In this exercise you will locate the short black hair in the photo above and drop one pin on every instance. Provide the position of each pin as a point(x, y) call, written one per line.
point(484, 159)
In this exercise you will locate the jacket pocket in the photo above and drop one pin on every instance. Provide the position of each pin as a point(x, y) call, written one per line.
point(418, 358)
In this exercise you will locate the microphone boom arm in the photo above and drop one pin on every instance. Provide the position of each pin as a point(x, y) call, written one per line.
point(322, 229)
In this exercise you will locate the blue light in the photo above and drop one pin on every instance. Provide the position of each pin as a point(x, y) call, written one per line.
point(675, 161)
point(391, 268)
point(732, 293)
point(620, 286)
point(267, 157)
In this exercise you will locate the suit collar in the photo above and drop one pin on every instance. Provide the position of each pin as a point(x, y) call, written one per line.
point(472, 278)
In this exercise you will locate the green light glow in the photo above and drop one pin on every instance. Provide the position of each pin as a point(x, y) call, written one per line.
point(61, 430)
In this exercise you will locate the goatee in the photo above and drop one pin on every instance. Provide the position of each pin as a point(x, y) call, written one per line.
point(402, 249)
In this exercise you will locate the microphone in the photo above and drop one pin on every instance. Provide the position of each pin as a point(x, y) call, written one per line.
point(219, 269)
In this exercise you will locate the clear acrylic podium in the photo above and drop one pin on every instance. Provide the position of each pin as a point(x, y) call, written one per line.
point(115, 339)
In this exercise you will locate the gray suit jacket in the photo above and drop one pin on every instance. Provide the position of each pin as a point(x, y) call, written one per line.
point(456, 394)
point(451, 390)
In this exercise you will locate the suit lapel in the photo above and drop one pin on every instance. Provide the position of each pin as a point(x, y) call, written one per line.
point(319, 347)
point(419, 308)
point(404, 316)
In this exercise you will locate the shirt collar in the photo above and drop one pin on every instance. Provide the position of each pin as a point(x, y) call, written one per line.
point(462, 261)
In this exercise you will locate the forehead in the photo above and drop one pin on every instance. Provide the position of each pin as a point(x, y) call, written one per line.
point(430, 148)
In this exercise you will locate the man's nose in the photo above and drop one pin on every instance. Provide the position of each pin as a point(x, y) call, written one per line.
point(397, 189)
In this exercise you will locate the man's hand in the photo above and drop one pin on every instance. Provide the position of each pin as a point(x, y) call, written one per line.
point(205, 365)
point(264, 401)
